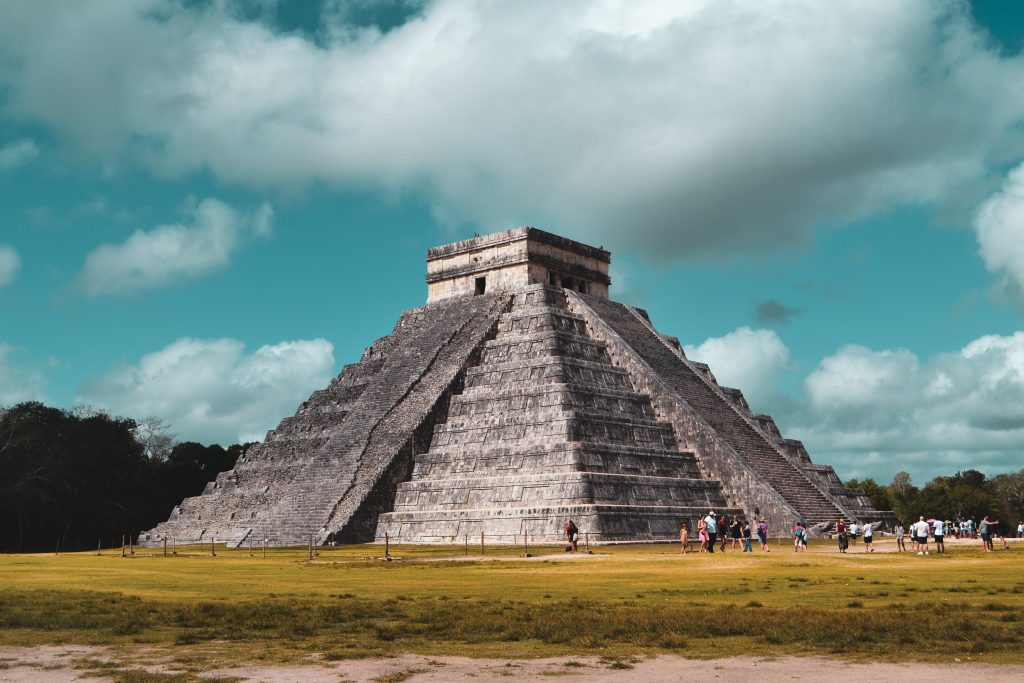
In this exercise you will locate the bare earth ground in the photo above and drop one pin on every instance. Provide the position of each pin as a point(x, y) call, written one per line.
point(50, 664)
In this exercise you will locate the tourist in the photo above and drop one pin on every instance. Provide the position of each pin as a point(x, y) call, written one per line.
point(798, 537)
point(712, 527)
point(853, 532)
point(920, 531)
point(684, 538)
point(735, 532)
point(984, 530)
point(572, 535)
point(869, 536)
point(841, 538)
point(702, 534)
point(1020, 529)
point(745, 531)
point(939, 532)
point(762, 535)
point(900, 533)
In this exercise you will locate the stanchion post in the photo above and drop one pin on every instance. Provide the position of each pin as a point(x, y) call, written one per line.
point(387, 546)
point(122, 545)
point(131, 546)
point(250, 547)
point(526, 544)
point(265, 548)
point(481, 544)
point(588, 544)
point(311, 548)
point(213, 546)
point(467, 543)
point(99, 547)
point(165, 546)
point(174, 546)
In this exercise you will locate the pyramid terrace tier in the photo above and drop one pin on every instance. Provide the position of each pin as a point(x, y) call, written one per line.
point(533, 490)
point(545, 370)
point(482, 408)
point(546, 524)
point(529, 430)
point(511, 459)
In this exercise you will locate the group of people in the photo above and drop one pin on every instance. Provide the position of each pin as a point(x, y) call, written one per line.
point(735, 529)
point(846, 534)
point(922, 534)
point(937, 528)
point(738, 530)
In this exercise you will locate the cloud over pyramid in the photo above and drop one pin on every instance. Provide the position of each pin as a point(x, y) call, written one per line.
point(518, 397)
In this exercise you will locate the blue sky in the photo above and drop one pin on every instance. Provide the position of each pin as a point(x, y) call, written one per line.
point(209, 207)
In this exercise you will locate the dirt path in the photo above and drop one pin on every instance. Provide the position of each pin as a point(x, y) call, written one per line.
point(67, 663)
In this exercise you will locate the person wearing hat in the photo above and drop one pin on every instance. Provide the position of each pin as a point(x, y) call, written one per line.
point(712, 526)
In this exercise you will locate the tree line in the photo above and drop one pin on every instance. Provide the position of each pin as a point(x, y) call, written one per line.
point(965, 495)
point(77, 478)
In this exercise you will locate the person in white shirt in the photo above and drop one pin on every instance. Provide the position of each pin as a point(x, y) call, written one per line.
point(868, 538)
point(1020, 529)
point(939, 532)
point(853, 533)
point(920, 528)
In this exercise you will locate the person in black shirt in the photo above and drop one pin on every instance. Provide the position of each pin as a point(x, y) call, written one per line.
point(572, 535)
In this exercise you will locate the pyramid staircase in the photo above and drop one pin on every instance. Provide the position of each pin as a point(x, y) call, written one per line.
point(547, 429)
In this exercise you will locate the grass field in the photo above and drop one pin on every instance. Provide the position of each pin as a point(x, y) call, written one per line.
point(623, 600)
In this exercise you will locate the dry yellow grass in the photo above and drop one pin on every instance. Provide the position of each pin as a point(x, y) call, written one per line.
point(620, 601)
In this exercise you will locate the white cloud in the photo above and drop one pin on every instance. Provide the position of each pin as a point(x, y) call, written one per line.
point(17, 384)
point(10, 264)
point(672, 128)
point(170, 253)
point(750, 360)
point(18, 153)
point(871, 413)
point(999, 223)
point(211, 390)
point(876, 412)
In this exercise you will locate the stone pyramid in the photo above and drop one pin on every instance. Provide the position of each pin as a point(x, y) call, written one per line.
point(520, 396)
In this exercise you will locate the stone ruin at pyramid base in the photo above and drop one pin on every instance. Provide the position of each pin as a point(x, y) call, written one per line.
point(519, 397)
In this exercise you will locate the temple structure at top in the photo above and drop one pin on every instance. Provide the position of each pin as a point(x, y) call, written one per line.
point(518, 397)
point(509, 260)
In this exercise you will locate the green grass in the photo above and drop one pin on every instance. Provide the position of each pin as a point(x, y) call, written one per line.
point(625, 600)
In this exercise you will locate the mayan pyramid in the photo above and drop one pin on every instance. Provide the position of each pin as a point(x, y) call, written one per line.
point(518, 397)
